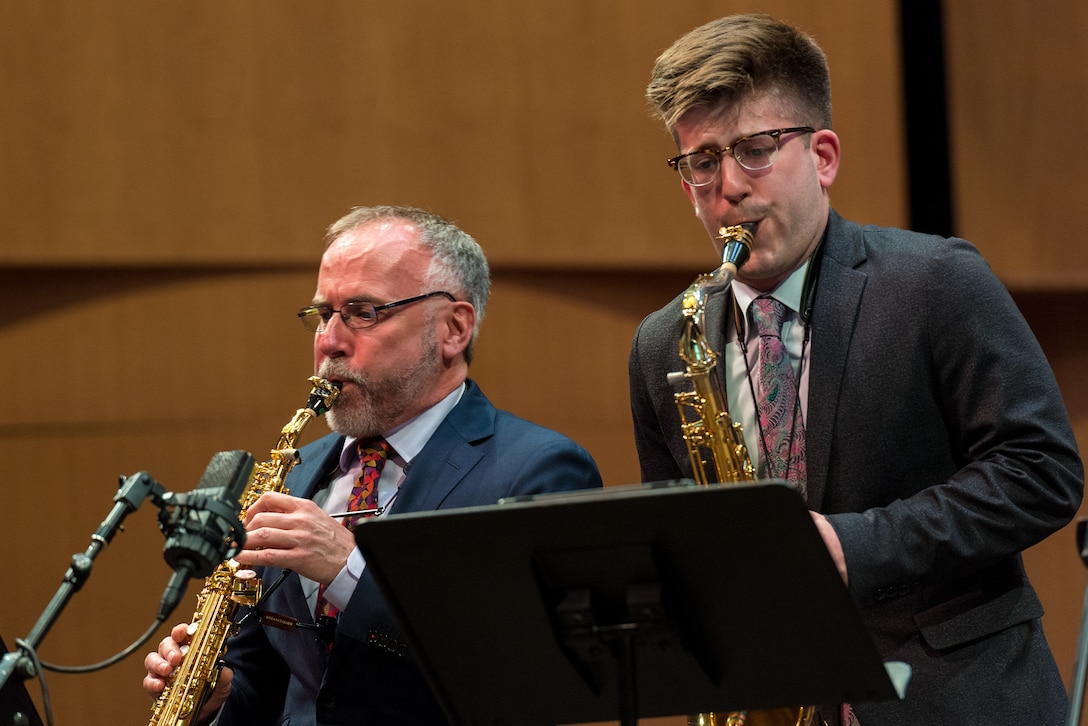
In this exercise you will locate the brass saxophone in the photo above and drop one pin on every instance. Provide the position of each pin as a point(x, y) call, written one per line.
point(715, 442)
point(228, 586)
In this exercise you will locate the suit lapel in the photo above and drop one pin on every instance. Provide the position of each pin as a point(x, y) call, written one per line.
point(322, 457)
point(449, 455)
point(834, 318)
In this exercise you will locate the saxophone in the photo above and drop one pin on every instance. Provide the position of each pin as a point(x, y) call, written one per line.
point(229, 586)
point(715, 442)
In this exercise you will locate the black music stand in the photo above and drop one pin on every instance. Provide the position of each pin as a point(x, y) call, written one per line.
point(643, 601)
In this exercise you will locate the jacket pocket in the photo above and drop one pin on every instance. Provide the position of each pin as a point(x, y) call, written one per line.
point(976, 615)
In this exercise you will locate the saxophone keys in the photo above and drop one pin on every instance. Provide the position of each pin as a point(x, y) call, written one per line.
point(246, 588)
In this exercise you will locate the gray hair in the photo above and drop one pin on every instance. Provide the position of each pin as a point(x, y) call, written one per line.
point(458, 264)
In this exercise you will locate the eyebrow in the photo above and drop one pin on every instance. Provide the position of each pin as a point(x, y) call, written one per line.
point(318, 302)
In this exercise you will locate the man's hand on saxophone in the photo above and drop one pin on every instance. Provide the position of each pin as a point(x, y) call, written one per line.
point(282, 531)
point(296, 534)
point(161, 663)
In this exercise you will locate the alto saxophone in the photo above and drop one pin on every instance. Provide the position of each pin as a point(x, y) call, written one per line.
point(715, 442)
point(228, 586)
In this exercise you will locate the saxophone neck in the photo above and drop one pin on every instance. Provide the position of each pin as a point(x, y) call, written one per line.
point(736, 249)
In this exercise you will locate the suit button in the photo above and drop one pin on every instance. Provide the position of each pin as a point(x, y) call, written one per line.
point(326, 702)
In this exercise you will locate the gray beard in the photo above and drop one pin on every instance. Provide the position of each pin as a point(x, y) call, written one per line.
point(373, 406)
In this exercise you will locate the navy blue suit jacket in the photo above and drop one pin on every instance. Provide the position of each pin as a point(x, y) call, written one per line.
point(938, 446)
point(477, 455)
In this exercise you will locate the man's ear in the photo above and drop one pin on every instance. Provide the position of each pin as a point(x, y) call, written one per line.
point(825, 149)
point(457, 328)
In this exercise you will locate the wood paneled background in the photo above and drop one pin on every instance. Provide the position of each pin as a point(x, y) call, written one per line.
point(167, 170)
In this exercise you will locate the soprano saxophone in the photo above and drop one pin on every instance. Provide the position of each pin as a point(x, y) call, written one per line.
point(230, 586)
point(715, 442)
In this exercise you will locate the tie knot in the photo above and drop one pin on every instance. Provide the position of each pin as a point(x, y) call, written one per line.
point(372, 451)
point(768, 315)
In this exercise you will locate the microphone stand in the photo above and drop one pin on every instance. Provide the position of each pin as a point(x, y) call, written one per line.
point(1076, 700)
point(131, 493)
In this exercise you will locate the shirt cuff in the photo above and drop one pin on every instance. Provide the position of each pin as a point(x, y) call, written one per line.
point(340, 589)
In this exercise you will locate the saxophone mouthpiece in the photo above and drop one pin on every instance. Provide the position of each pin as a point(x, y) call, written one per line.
point(744, 229)
point(737, 247)
point(323, 395)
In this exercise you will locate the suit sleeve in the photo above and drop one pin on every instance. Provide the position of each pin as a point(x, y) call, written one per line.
point(1011, 474)
point(652, 403)
point(552, 464)
point(258, 672)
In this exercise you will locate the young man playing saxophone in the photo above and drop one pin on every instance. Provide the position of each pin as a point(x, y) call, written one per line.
point(928, 433)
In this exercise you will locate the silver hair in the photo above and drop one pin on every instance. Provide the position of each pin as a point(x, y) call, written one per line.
point(458, 264)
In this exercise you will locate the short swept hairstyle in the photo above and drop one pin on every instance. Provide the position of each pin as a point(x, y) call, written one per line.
point(738, 57)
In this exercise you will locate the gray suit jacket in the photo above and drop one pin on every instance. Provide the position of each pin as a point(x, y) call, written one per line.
point(478, 455)
point(938, 446)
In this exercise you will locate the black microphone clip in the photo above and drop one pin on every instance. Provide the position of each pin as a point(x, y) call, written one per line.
point(202, 528)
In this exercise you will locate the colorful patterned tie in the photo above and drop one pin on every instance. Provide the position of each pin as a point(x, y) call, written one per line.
point(373, 453)
point(778, 405)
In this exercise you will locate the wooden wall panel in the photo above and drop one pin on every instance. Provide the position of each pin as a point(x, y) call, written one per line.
point(196, 132)
point(1018, 93)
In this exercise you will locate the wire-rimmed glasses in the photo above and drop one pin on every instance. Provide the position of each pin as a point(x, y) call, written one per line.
point(356, 315)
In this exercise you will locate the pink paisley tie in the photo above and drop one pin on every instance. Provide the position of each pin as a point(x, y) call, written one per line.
point(373, 453)
point(778, 406)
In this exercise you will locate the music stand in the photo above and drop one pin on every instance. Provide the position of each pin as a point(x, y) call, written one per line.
point(651, 600)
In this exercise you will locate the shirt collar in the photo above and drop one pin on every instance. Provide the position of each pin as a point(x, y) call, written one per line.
point(788, 291)
point(409, 438)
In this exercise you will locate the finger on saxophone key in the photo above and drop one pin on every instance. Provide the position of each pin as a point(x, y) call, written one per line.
point(162, 662)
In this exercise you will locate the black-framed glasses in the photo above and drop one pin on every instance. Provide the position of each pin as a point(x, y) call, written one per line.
point(356, 315)
point(753, 152)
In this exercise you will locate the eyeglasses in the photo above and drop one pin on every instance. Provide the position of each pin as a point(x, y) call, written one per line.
point(753, 152)
point(356, 315)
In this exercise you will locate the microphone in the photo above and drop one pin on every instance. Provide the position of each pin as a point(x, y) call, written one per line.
point(202, 527)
